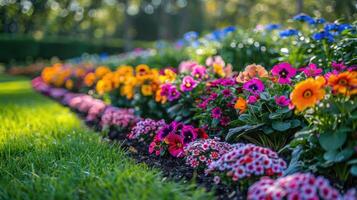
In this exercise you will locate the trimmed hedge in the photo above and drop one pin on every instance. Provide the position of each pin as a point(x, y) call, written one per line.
point(24, 47)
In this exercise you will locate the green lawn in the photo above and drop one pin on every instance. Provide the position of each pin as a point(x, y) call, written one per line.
point(47, 153)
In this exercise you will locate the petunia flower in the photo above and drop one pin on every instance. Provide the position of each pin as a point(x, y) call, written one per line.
point(176, 144)
point(254, 86)
point(284, 71)
point(282, 101)
point(188, 84)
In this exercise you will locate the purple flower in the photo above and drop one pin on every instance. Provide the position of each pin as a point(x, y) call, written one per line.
point(284, 71)
point(216, 113)
point(173, 94)
point(252, 99)
point(226, 92)
point(282, 100)
point(199, 71)
point(338, 66)
point(254, 86)
point(165, 131)
point(312, 70)
point(188, 83)
point(189, 134)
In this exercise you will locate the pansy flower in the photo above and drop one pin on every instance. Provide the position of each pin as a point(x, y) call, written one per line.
point(282, 101)
point(284, 71)
point(199, 72)
point(188, 84)
point(254, 86)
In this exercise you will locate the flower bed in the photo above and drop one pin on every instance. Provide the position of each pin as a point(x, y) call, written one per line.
point(224, 127)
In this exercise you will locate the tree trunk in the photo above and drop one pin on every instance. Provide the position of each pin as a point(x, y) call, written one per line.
point(299, 6)
point(128, 38)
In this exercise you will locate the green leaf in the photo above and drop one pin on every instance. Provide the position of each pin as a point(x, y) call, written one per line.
point(295, 123)
point(332, 141)
point(344, 155)
point(244, 118)
point(353, 170)
point(267, 130)
point(284, 110)
point(264, 96)
point(330, 155)
point(281, 126)
point(236, 132)
point(275, 115)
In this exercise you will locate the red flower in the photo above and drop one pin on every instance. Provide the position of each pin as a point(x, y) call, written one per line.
point(176, 145)
point(201, 133)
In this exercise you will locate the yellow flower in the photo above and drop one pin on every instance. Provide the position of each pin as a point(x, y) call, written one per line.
point(241, 105)
point(307, 93)
point(344, 83)
point(168, 77)
point(142, 70)
point(101, 71)
point(146, 90)
point(69, 84)
point(218, 69)
point(103, 86)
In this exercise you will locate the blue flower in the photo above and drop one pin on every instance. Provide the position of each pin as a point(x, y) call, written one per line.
point(229, 29)
point(323, 35)
point(288, 33)
point(336, 29)
point(304, 18)
point(343, 27)
point(270, 27)
point(189, 36)
point(320, 20)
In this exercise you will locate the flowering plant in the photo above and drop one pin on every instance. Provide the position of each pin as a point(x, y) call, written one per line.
point(201, 153)
point(173, 137)
point(329, 105)
point(245, 164)
point(297, 186)
point(146, 129)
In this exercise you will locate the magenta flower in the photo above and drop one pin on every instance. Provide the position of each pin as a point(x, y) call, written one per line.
point(173, 94)
point(254, 86)
point(165, 131)
point(216, 113)
point(282, 101)
point(312, 70)
point(338, 66)
point(199, 72)
point(226, 92)
point(155, 147)
point(188, 83)
point(176, 145)
point(252, 99)
point(284, 71)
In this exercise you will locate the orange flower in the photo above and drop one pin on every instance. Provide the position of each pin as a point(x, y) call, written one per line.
point(241, 105)
point(307, 93)
point(89, 79)
point(344, 83)
point(250, 72)
point(142, 70)
point(101, 71)
point(159, 98)
point(69, 84)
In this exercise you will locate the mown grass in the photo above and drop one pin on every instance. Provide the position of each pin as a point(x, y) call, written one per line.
point(47, 153)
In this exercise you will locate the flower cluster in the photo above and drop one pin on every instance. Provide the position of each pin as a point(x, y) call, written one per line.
point(118, 117)
point(201, 153)
point(173, 138)
point(297, 186)
point(246, 161)
point(146, 129)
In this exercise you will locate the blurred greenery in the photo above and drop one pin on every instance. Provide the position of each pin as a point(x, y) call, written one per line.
point(131, 20)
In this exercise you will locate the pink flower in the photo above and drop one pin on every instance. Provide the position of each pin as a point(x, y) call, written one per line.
point(338, 66)
point(187, 66)
point(282, 101)
point(155, 146)
point(215, 60)
point(284, 71)
point(312, 70)
point(199, 71)
point(176, 145)
point(252, 99)
point(254, 86)
point(188, 84)
point(173, 93)
point(216, 113)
